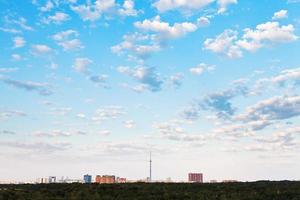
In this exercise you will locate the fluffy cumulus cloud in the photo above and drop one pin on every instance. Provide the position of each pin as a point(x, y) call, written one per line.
point(140, 45)
point(199, 69)
point(224, 44)
point(57, 18)
point(164, 29)
point(93, 11)
point(223, 4)
point(40, 49)
point(217, 102)
point(275, 108)
point(287, 77)
point(47, 7)
point(68, 40)
point(203, 21)
point(270, 32)
point(155, 34)
point(176, 79)
point(166, 5)
point(280, 141)
point(229, 44)
point(81, 64)
point(128, 9)
point(280, 14)
point(145, 75)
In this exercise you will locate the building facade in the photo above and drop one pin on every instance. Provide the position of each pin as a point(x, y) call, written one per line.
point(52, 179)
point(87, 178)
point(121, 180)
point(195, 177)
point(105, 179)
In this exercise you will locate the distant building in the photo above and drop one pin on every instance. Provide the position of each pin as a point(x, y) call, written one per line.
point(121, 180)
point(195, 177)
point(52, 179)
point(105, 179)
point(42, 180)
point(87, 178)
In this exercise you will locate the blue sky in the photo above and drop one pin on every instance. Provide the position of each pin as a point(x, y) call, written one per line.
point(94, 86)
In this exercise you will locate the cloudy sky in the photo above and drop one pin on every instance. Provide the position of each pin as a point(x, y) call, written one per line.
point(92, 86)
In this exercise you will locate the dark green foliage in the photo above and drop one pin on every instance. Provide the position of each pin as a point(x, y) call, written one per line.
point(263, 190)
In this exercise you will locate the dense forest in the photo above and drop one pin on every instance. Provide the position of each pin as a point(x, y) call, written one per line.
point(263, 190)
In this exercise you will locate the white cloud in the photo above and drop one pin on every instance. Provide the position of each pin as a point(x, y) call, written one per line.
point(176, 80)
point(48, 6)
point(93, 11)
point(22, 22)
point(81, 64)
point(128, 9)
point(164, 29)
point(16, 57)
point(58, 18)
point(145, 75)
point(58, 133)
point(105, 132)
point(64, 35)
point(223, 4)
point(67, 39)
point(229, 44)
point(199, 69)
point(129, 124)
point(203, 21)
point(166, 5)
point(280, 14)
point(287, 76)
point(41, 49)
point(186, 5)
point(10, 30)
point(19, 42)
point(271, 32)
point(224, 44)
point(275, 108)
point(108, 112)
point(81, 115)
point(71, 44)
point(135, 43)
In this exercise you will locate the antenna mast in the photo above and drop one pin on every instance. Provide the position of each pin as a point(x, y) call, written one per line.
point(150, 178)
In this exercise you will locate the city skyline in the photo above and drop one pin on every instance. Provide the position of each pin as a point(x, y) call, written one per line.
point(208, 86)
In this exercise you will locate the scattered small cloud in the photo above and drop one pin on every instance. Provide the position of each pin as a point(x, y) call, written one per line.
point(280, 15)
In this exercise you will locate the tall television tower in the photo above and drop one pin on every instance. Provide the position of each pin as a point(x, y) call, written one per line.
point(150, 177)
